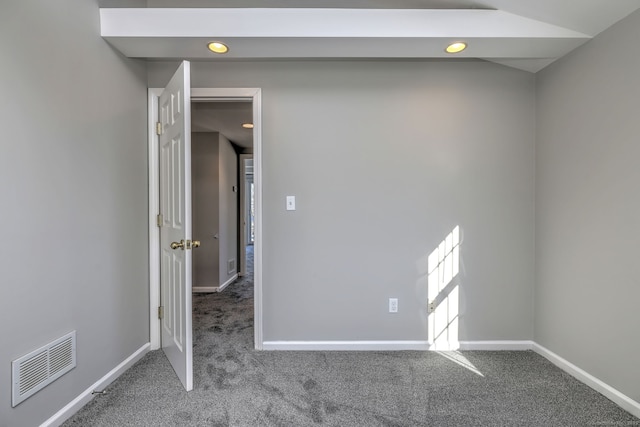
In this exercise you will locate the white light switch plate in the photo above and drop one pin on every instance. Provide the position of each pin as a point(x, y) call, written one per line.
point(291, 203)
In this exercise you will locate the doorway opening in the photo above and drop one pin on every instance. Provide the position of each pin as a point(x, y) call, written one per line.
point(252, 95)
point(221, 141)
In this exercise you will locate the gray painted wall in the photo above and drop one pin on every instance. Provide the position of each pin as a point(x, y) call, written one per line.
point(588, 210)
point(385, 159)
point(74, 191)
point(205, 207)
point(228, 208)
point(214, 173)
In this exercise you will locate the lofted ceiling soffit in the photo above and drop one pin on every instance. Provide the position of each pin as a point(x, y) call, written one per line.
point(525, 34)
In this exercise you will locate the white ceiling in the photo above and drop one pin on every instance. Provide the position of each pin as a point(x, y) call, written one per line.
point(224, 117)
point(525, 34)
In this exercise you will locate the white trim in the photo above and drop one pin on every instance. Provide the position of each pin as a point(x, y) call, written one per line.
point(204, 289)
point(346, 345)
point(396, 345)
point(74, 406)
point(620, 399)
point(224, 93)
point(444, 346)
point(154, 231)
point(203, 94)
point(496, 345)
point(196, 289)
point(227, 283)
point(257, 194)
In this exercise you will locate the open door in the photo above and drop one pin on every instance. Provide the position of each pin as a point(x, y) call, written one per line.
point(175, 223)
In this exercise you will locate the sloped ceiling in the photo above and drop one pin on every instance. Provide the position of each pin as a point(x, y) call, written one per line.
point(525, 34)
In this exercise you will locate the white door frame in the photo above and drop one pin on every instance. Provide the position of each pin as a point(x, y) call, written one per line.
point(203, 94)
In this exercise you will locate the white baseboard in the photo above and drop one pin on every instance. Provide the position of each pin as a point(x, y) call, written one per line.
point(208, 289)
point(395, 345)
point(204, 289)
point(72, 407)
point(620, 399)
point(496, 345)
point(228, 282)
point(345, 345)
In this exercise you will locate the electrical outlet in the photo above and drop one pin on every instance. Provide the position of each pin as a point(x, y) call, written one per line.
point(393, 305)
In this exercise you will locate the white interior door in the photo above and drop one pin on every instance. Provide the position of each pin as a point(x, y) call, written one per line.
point(175, 226)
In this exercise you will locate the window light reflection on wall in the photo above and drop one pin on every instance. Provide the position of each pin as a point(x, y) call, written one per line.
point(443, 293)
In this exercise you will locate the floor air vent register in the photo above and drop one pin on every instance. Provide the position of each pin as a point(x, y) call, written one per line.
point(34, 371)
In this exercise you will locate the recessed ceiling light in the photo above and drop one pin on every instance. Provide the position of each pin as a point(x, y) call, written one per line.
point(247, 125)
point(217, 47)
point(456, 47)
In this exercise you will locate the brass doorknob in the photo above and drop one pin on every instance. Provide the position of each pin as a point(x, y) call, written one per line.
point(195, 244)
point(176, 245)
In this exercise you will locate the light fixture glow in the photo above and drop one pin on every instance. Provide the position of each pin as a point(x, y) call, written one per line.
point(217, 47)
point(247, 125)
point(456, 47)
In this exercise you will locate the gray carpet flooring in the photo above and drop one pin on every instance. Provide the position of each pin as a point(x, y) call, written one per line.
point(235, 385)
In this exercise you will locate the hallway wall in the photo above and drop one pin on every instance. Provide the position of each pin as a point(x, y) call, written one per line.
point(205, 171)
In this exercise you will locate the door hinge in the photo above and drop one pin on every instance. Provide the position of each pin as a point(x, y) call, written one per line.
point(159, 220)
point(159, 128)
point(160, 312)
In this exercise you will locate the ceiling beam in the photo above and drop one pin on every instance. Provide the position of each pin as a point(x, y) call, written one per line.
point(333, 33)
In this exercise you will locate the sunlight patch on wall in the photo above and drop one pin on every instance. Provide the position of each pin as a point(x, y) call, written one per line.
point(443, 293)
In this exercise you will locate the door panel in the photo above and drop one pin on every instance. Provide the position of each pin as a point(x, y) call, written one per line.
point(175, 208)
